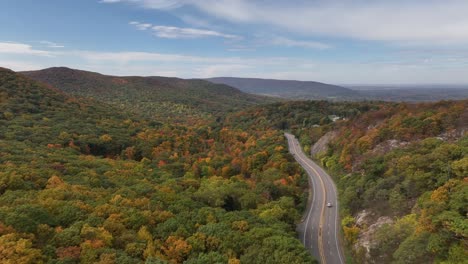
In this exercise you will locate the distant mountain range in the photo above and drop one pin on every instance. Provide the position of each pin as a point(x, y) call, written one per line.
point(195, 99)
point(159, 98)
point(288, 88)
point(308, 90)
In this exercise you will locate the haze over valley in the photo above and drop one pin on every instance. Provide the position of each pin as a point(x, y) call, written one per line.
point(308, 90)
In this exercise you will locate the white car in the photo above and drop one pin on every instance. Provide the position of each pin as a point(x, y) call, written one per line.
point(329, 205)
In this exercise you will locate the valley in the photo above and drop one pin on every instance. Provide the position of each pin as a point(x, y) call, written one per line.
point(233, 132)
point(89, 174)
point(308, 90)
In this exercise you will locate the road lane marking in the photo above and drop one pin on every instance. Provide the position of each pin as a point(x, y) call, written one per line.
point(313, 194)
point(336, 227)
point(340, 253)
point(313, 186)
point(322, 214)
point(320, 240)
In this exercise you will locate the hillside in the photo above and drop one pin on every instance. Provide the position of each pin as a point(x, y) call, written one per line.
point(401, 170)
point(38, 114)
point(82, 182)
point(159, 98)
point(408, 94)
point(288, 89)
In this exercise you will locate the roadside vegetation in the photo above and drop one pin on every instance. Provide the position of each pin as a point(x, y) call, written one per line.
point(403, 163)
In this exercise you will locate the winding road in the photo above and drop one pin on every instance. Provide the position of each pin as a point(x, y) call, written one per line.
point(319, 229)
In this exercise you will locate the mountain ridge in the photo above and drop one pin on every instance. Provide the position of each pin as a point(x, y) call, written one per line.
point(287, 88)
point(311, 90)
point(161, 98)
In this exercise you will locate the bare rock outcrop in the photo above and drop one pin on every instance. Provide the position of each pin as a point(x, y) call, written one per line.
point(322, 144)
point(369, 223)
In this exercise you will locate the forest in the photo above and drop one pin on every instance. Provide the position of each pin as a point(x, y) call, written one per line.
point(82, 182)
point(400, 161)
point(160, 99)
point(408, 162)
point(95, 176)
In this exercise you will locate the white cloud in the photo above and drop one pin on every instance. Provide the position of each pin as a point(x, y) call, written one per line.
point(172, 32)
point(282, 41)
point(148, 57)
point(407, 68)
point(197, 21)
point(420, 22)
point(127, 57)
point(177, 32)
point(220, 70)
point(393, 71)
point(140, 26)
point(155, 4)
point(238, 49)
point(50, 44)
point(20, 65)
point(22, 49)
point(400, 21)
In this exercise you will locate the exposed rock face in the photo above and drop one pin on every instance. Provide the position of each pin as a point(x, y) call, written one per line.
point(454, 134)
point(362, 218)
point(388, 145)
point(322, 144)
point(369, 225)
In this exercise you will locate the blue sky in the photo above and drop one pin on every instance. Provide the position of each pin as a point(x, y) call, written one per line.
point(340, 42)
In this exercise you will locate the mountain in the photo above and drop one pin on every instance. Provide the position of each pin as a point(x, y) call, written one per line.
point(37, 115)
point(320, 91)
point(287, 88)
point(82, 181)
point(159, 98)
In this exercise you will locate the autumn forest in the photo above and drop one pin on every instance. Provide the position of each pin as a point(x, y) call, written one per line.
point(103, 169)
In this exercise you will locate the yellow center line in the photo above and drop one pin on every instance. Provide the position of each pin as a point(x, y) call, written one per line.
point(320, 238)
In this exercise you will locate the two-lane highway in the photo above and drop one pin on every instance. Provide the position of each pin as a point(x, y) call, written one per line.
point(319, 230)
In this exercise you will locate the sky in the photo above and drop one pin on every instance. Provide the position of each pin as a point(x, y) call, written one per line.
point(391, 42)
